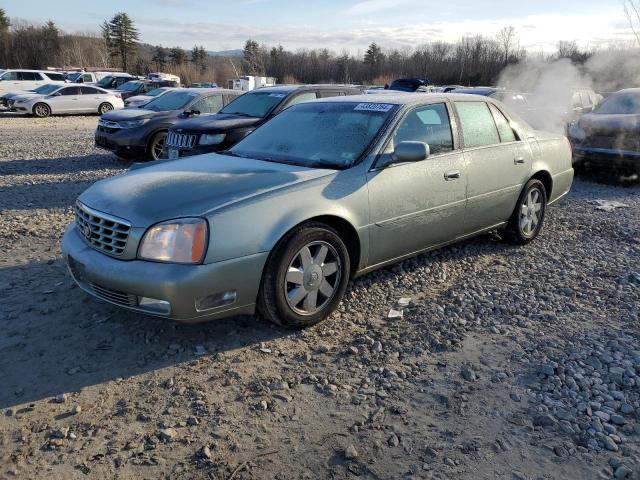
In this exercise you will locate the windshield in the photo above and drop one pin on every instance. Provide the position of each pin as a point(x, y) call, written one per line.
point(155, 92)
point(324, 135)
point(170, 101)
point(621, 104)
point(129, 86)
point(255, 104)
point(46, 89)
point(74, 76)
point(106, 81)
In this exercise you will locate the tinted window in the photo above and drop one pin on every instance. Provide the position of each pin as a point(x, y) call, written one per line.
point(301, 98)
point(47, 89)
point(208, 105)
point(30, 76)
point(326, 94)
point(331, 135)
point(406, 85)
point(10, 76)
point(478, 127)
point(429, 124)
point(621, 103)
point(89, 91)
point(171, 101)
point(106, 81)
point(258, 104)
point(56, 77)
point(70, 91)
point(155, 92)
point(504, 129)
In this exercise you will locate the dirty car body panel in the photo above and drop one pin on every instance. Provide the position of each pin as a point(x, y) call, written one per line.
point(393, 209)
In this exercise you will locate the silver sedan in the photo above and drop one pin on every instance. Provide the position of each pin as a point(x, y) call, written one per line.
point(323, 192)
point(68, 99)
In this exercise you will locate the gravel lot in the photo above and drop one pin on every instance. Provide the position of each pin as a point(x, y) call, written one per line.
point(510, 363)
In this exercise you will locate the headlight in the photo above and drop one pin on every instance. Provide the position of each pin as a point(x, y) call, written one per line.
point(211, 139)
point(577, 132)
point(133, 123)
point(176, 241)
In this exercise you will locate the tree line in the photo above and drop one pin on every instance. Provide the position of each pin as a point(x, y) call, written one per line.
point(477, 60)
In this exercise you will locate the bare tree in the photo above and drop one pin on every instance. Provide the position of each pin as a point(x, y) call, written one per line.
point(506, 38)
point(632, 11)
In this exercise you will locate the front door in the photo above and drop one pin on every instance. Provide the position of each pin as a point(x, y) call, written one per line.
point(498, 164)
point(418, 205)
point(66, 101)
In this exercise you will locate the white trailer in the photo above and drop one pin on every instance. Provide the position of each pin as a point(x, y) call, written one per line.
point(251, 82)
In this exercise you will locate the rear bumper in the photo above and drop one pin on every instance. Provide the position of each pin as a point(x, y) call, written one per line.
point(123, 283)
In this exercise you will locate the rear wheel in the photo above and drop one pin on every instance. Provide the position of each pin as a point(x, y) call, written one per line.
point(156, 145)
point(305, 277)
point(41, 110)
point(104, 108)
point(527, 219)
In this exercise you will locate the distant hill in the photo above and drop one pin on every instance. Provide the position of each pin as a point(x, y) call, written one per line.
point(227, 53)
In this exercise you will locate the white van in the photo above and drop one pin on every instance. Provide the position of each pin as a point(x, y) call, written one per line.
point(90, 77)
point(23, 80)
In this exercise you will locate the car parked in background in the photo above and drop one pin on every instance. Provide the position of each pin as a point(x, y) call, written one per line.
point(141, 87)
point(609, 137)
point(140, 132)
point(408, 84)
point(234, 122)
point(114, 80)
point(139, 100)
point(88, 77)
point(71, 99)
point(8, 98)
point(25, 80)
point(325, 191)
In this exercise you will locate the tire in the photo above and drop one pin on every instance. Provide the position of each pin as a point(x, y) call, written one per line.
point(104, 108)
point(156, 145)
point(41, 110)
point(528, 217)
point(295, 275)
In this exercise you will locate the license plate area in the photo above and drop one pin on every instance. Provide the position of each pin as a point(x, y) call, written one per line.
point(174, 154)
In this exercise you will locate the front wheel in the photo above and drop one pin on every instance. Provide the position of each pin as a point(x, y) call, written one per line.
point(156, 146)
point(527, 219)
point(305, 277)
point(41, 110)
point(104, 108)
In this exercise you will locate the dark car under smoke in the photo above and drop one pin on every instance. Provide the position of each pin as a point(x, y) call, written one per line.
point(610, 136)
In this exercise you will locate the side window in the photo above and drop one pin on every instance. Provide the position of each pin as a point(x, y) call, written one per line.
point(56, 77)
point(301, 98)
point(209, 104)
point(429, 124)
point(87, 78)
point(10, 76)
point(89, 91)
point(70, 91)
point(329, 94)
point(30, 76)
point(478, 127)
point(504, 129)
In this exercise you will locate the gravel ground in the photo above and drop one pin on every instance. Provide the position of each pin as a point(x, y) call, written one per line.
point(510, 363)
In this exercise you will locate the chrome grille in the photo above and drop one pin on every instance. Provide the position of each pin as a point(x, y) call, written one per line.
point(114, 296)
point(180, 140)
point(103, 232)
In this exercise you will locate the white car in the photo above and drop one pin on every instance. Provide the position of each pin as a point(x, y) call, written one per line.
point(6, 100)
point(24, 80)
point(140, 100)
point(69, 99)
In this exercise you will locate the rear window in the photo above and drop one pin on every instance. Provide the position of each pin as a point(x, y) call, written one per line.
point(623, 103)
point(478, 126)
point(255, 104)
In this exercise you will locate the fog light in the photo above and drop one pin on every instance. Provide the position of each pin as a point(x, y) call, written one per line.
point(216, 300)
point(154, 305)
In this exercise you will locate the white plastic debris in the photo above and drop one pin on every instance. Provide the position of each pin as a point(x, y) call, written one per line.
point(404, 302)
point(393, 313)
point(609, 205)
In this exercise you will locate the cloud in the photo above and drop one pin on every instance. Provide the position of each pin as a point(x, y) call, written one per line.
point(374, 6)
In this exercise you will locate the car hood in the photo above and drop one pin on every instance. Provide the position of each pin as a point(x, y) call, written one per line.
point(26, 96)
point(599, 124)
point(216, 123)
point(136, 114)
point(193, 186)
point(140, 98)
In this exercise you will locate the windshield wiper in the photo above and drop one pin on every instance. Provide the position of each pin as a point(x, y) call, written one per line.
point(231, 154)
point(237, 113)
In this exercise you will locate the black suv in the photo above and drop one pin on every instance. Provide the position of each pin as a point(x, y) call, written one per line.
point(141, 87)
point(214, 133)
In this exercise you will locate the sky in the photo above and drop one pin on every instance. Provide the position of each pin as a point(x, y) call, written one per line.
point(340, 24)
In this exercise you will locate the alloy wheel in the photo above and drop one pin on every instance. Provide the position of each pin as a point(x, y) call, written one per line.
point(105, 107)
point(531, 212)
point(158, 146)
point(313, 277)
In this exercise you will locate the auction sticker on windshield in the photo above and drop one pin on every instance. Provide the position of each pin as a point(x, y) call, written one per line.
point(277, 95)
point(373, 107)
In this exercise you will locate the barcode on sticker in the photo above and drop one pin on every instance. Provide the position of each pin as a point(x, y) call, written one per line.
point(373, 107)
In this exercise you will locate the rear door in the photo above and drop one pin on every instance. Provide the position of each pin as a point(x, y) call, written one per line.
point(90, 99)
point(498, 164)
point(418, 205)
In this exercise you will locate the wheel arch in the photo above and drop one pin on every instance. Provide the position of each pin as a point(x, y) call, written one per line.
point(545, 177)
point(41, 102)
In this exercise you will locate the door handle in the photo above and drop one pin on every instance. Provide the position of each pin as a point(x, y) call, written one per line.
point(452, 175)
point(518, 160)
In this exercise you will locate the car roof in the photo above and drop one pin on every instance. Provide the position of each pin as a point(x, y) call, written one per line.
point(28, 70)
point(484, 91)
point(207, 90)
point(405, 98)
point(300, 88)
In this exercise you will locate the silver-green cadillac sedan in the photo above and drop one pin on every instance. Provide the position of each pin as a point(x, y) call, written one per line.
point(323, 192)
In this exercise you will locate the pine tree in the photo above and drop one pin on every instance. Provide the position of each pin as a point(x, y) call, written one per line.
point(177, 55)
point(4, 38)
point(160, 58)
point(121, 37)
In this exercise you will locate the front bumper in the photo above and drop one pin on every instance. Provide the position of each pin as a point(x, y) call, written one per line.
point(125, 140)
point(196, 150)
point(123, 283)
point(606, 158)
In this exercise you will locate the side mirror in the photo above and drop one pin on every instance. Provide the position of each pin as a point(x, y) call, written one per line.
point(410, 152)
